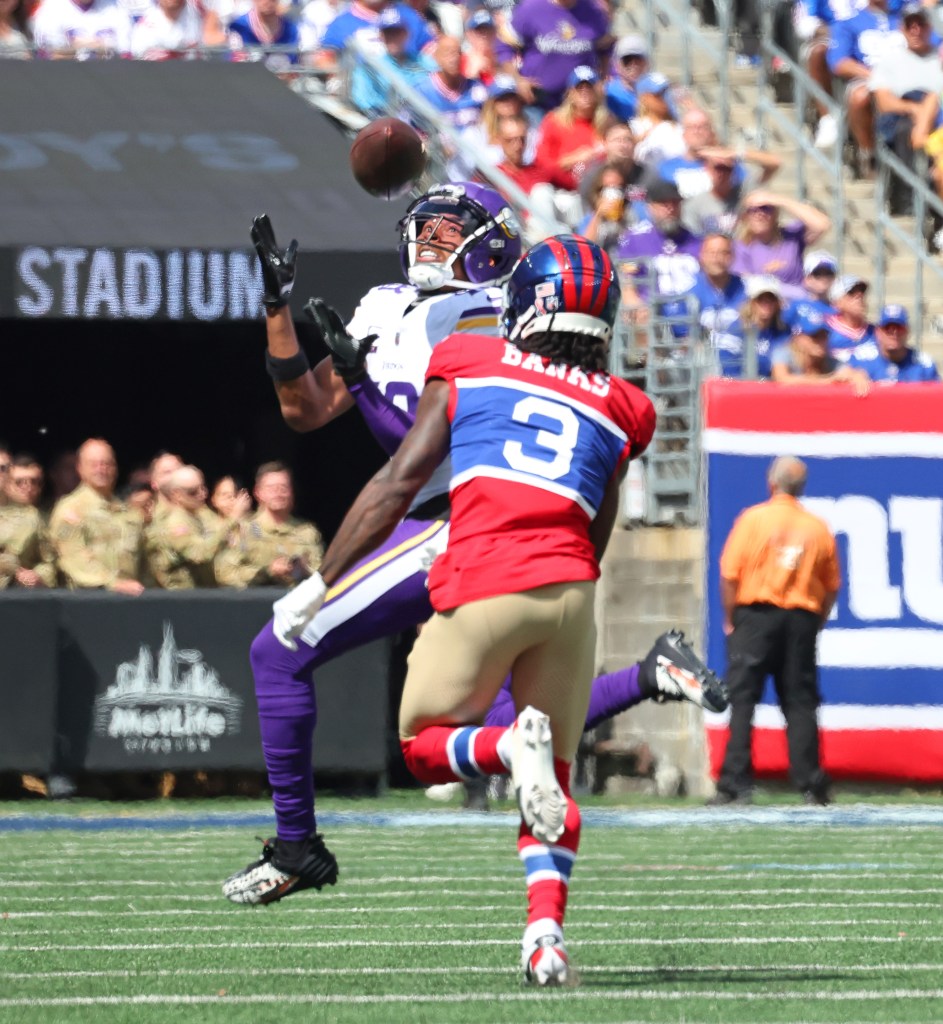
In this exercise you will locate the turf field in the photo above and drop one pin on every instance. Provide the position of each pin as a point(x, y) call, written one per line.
point(773, 915)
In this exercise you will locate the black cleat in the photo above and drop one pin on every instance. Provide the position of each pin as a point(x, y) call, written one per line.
point(272, 877)
point(672, 671)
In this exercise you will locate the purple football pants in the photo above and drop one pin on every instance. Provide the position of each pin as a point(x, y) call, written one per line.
point(383, 594)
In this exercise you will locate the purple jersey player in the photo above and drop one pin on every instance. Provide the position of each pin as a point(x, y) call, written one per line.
point(458, 243)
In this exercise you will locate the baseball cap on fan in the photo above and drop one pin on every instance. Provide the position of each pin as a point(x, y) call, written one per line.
point(809, 321)
point(819, 259)
point(654, 82)
point(578, 76)
point(390, 18)
point(480, 19)
point(631, 46)
point(893, 314)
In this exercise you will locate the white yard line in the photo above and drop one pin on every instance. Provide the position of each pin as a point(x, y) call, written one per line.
point(512, 902)
point(118, 947)
point(313, 972)
point(860, 995)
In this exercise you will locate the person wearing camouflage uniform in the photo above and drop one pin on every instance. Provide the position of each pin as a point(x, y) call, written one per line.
point(27, 558)
point(97, 538)
point(181, 544)
point(273, 548)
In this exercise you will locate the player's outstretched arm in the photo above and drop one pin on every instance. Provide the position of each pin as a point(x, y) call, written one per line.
point(385, 498)
point(308, 398)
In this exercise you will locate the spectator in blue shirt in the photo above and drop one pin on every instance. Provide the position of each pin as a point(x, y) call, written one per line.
point(630, 62)
point(719, 296)
point(458, 99)
point(762, 317)
point(369, 92)
point(263, 34)
point(856, 45)
point(888, 359)
point(820, 269)
point(848, 325)
point(361, 20)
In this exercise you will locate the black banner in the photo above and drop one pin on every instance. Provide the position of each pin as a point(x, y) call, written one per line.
point(28, 681)
point(163, 682)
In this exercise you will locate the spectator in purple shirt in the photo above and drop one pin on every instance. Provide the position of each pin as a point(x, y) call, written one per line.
point(658, 252)
point(550, 39)
point(764, 246)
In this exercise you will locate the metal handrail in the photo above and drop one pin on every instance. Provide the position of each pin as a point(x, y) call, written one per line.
point(693, 37)
point(888, 163)
point(793, 127)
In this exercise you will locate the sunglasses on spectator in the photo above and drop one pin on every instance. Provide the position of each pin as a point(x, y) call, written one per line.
point(822, 272)
point(515, 138)
point(723, 168)
point(192, 492)
point(629, 57)
point(764, 208)
point(4, 467)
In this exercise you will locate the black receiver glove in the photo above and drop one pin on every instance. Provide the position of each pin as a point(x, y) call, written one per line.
point(278, 268)
point(347, 354)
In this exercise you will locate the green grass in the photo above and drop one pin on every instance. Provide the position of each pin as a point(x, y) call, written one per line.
point(805, 920)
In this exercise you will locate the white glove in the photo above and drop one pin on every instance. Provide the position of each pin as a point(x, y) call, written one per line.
point(296, 609)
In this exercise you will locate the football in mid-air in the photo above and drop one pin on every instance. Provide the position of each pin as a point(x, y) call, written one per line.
point(386, 157)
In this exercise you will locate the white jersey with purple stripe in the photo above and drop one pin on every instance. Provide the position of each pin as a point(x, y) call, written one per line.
point(408, 324)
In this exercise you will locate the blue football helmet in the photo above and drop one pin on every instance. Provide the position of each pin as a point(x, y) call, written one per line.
point(565, 283)
point(491, 237)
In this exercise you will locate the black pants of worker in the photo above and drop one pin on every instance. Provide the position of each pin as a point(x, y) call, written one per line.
point(777, 642)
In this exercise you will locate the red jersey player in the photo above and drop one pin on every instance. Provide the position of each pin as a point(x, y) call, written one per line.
point(540, 438)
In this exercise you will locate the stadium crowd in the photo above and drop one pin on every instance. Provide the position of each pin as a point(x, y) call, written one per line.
point(164, 529)
point(595, 136)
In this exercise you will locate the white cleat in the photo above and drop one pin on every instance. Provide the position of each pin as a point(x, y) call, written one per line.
point(539, 796)
point(548, 964)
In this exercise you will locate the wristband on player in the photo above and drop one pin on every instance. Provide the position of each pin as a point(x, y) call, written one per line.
point(289, 368)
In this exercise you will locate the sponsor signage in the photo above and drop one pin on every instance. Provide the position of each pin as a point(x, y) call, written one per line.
point(876, 476)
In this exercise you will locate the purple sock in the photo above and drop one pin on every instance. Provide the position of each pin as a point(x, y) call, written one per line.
point(287, 716)
point(610, 694)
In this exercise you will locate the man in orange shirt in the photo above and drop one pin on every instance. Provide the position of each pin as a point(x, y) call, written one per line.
point(779, 577)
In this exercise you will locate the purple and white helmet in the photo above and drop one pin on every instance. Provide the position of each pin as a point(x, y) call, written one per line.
point(491, 244)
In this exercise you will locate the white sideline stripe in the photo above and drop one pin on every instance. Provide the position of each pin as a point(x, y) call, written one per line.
point(824, 444)
point(422, 886)
point(478, 997)
point(502, 908)
point(513, 891)
point(475, 926)
point(122, 947)
point(311, 972)
point(835, 717)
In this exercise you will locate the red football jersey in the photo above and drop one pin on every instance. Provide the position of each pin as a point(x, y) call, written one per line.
point(534, 445)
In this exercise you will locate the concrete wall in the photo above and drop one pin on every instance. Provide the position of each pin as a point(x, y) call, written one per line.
point(652, 580)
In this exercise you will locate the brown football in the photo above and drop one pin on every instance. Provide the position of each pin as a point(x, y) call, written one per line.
point(386, 157)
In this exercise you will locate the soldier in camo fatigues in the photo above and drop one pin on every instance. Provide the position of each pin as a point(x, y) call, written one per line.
point(27, 558)
point(182, 543)
point(272, 548)
point(97, 538)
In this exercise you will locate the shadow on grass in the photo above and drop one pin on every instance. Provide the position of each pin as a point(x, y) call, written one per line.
point(618, 977)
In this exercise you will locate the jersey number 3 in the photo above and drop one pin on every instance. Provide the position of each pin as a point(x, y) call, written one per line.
point(550, 451)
